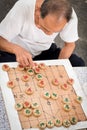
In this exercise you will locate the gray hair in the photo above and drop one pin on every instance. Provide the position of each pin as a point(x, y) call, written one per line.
point(56, 7)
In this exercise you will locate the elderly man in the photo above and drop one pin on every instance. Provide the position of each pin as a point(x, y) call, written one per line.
point(28, 31)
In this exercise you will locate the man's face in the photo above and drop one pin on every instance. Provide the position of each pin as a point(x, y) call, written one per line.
point(50, 24)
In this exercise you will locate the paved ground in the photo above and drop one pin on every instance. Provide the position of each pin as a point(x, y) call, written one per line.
point(80, 7)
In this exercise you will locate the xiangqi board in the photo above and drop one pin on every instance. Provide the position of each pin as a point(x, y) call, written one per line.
point(50, 108)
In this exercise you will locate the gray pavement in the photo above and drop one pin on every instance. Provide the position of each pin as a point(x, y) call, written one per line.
point(80, 7)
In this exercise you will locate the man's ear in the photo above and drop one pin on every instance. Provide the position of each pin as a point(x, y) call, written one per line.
point(37, 11)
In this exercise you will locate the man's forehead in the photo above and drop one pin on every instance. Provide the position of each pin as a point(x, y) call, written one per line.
point(51, 21)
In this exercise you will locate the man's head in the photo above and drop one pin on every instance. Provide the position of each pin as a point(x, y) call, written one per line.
point(54, 14)
point(59, 8)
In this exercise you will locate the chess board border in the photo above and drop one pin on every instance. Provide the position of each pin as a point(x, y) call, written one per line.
point(9, 98)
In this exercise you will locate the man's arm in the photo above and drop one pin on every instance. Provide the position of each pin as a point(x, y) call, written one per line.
point(67, 50)
point(22, 55)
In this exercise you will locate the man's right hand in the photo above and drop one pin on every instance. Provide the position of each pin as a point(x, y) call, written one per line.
point(23, 56)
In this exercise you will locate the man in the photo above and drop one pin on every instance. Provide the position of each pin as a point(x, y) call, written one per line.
point(28, 31)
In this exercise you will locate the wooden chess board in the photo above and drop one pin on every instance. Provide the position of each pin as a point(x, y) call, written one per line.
point(50, 109)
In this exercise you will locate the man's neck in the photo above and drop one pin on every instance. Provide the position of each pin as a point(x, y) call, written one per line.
point(38, 4)
point(37, 10)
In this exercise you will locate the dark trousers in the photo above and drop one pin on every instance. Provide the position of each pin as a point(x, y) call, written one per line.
point(50, 54)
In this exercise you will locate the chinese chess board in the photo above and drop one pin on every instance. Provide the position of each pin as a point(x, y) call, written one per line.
point(50, 108)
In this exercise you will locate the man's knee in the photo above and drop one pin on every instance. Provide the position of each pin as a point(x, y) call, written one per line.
point(76, 61)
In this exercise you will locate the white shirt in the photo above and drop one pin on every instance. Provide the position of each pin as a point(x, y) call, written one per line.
point(19, 28)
